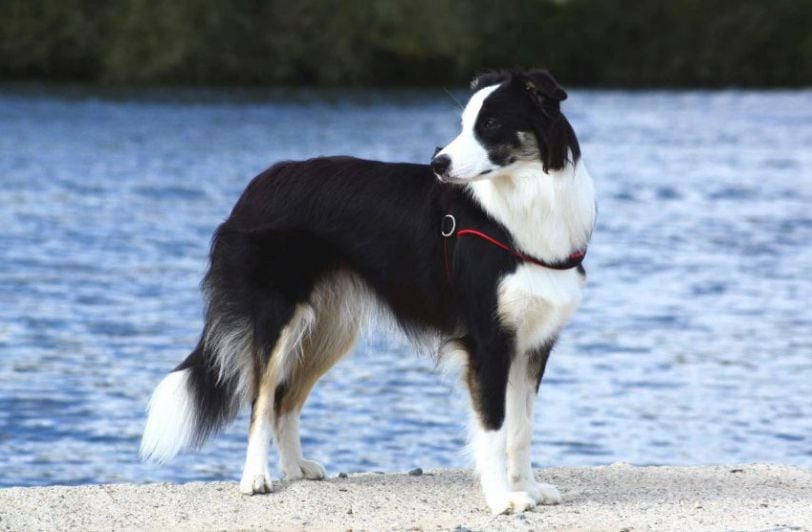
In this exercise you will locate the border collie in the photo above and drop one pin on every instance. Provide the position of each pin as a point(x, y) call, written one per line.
point(481, 250)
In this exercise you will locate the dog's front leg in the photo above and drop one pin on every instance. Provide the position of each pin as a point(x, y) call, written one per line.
point(487, 377)
point(526, 372)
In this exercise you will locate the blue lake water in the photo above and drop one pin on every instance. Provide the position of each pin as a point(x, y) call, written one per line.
point(693, 344)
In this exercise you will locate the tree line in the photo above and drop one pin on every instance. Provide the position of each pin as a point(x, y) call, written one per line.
point(624, 43)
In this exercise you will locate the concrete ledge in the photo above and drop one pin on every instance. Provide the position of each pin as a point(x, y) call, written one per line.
point(618, 497)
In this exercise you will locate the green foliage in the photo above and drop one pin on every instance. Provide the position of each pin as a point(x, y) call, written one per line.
point(407, 42)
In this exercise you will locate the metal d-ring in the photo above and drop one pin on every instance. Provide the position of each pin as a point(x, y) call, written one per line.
point(453, 225)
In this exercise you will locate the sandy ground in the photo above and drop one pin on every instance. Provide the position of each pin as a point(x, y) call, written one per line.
point(618, 497)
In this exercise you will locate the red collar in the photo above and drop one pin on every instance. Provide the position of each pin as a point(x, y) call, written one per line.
point(572, 261)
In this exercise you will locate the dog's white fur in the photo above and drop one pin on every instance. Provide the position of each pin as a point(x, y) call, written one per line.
point(170, 424)
point(469, 159)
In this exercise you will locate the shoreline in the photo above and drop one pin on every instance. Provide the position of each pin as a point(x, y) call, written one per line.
point(616, 497)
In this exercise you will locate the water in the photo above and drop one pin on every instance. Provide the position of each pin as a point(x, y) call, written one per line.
point(693, 344)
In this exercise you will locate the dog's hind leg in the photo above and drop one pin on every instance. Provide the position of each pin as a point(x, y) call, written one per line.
point(331, 336)
point(271, 370)
point(526, 372)
point(255, 476)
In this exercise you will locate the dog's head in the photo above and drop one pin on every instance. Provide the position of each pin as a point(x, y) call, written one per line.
point(511, 118)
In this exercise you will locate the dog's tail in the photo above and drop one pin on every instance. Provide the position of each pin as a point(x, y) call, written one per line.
point(189, 405)
point(206, 390)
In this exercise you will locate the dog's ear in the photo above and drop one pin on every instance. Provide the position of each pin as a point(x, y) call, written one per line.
point(557, 141)
point(542, 84)
point(488, 78)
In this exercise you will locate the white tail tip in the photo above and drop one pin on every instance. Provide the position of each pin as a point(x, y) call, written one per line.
point(171, 419)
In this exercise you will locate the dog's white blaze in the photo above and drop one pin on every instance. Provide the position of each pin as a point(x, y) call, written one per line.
point(468, 157)
point(171, 419)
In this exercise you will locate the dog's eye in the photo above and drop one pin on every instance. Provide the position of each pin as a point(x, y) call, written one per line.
point(490, 123)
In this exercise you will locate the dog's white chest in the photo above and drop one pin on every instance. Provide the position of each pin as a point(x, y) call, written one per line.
point(537, 302)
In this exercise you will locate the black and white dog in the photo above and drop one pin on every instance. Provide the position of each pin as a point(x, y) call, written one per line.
point(481, 249)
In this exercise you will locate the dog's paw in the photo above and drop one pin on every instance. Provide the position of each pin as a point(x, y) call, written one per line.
point(308, 469)
point(511, 502)
point(544, 493)
point(253, 484)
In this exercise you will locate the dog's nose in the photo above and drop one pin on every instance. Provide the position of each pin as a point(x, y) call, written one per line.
point(440, 164)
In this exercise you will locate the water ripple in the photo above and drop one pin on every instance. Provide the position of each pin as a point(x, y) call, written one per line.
point(693, 344)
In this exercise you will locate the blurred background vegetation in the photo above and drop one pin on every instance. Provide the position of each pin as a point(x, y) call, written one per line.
point(625, 43)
